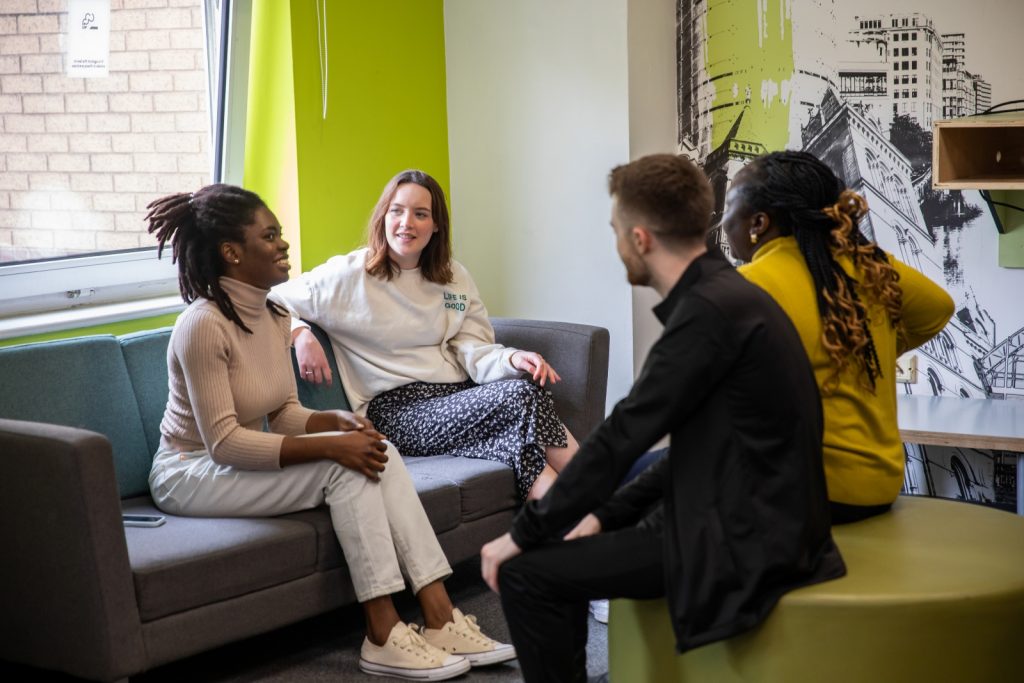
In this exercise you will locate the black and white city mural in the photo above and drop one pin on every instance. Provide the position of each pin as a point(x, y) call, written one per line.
point(859, 83)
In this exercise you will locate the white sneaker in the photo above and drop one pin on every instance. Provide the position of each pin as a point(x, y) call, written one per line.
point(462, 636)
point(599, 610)
point(407, 655)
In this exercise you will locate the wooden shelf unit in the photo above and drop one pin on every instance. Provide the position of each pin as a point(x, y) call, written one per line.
point(979, 152)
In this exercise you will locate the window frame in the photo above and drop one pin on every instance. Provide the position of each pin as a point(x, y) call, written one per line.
point(71, 292)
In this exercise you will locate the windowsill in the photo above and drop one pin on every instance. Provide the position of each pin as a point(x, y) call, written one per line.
point(84, 316)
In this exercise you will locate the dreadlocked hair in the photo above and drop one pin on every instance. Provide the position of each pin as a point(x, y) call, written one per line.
point(804, 198)
point(196, 224)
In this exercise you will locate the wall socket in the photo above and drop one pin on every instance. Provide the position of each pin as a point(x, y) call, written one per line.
point(906, 368)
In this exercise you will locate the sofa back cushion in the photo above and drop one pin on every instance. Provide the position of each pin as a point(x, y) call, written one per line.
point(321, 396)
point(80, 382)
point(145, 356)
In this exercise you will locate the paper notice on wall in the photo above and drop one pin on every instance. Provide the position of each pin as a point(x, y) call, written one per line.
point(88, 38)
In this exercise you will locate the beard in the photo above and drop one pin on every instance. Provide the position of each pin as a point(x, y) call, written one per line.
point(637, 273)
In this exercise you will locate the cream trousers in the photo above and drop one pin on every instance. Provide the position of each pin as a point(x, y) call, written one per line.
point(381, 526)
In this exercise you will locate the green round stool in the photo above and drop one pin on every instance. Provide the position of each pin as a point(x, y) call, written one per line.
point(934, 591)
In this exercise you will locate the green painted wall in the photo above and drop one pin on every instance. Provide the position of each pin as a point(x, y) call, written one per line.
point(122, 327)
point(386, 111)
point(270, 167)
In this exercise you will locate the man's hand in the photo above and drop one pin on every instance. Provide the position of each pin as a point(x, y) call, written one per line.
point(493, 555)
point(588, 526)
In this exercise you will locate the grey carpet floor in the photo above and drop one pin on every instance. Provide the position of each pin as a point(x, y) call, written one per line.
point(326, 648)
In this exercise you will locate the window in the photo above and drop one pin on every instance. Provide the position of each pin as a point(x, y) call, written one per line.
point(85, 155)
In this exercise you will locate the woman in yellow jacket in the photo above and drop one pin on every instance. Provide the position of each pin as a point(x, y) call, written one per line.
point(855, 306)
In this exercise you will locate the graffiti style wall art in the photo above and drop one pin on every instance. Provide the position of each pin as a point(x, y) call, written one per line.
point(859, 83)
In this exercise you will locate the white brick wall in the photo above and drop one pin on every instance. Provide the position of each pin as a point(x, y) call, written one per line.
point(81, 158)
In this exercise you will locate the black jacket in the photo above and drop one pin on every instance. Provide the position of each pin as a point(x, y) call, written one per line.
point(745, 515)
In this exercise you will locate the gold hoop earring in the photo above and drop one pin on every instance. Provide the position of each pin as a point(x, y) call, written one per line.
point(753, 238)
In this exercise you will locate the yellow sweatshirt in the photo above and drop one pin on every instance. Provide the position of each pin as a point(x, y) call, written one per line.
point(862, 448)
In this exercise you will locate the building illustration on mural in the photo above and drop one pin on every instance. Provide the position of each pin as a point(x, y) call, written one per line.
point(862, 95)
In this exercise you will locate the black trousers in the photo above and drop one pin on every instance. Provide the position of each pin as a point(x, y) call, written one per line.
point(546, 590)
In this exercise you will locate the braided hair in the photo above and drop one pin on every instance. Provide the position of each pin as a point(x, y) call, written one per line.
point(804, 198)
point(196, 224)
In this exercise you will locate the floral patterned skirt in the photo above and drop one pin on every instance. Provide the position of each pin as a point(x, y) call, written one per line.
point(510, 421)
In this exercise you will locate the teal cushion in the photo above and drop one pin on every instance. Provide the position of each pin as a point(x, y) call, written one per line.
point(80, 382)
point(321, 396)
point(145, 355)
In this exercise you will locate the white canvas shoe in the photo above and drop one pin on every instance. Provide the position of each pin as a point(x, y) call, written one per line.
point(462, 636)
point(406, 654)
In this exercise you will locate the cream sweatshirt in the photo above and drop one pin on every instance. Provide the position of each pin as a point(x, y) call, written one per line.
point(388, 333)
point(224, 381)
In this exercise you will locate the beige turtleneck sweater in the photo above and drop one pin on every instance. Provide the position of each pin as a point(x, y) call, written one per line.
point(224, 381)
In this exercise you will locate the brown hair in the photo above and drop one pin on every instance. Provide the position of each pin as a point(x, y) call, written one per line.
point(804, 198)
point(669, 192)
point(436, 259)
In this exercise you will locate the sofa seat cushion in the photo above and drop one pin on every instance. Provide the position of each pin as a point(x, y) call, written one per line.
point(440, 499)
point(193, 561)
point(485, 487)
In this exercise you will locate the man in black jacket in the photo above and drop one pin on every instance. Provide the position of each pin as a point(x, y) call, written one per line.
point(737, 514)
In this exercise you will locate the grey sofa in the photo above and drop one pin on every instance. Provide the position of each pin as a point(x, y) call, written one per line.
point(82, 594)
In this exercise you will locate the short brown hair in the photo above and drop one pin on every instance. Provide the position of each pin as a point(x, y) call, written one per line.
point(436, 259)
point(668, 192)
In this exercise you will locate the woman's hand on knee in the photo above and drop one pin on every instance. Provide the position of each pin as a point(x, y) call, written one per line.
point(340, 421)
point(534, 364)
point(313, 365)
point(348, 421)
point(362, 451)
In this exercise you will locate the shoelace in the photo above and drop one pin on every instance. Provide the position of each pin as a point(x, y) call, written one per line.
point(413, 642)
point(470, 629)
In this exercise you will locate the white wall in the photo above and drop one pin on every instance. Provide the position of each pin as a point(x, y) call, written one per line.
point(653, 124)
point(538, 113)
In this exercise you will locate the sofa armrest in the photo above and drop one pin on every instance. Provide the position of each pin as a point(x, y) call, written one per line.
point(579, 353)
point(68, 600)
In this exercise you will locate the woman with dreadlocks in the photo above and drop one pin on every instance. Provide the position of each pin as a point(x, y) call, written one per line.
point(229, 371)
point(856, 309)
